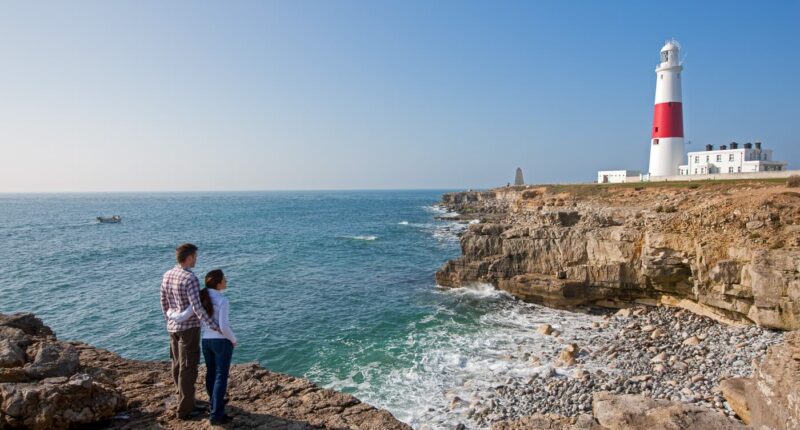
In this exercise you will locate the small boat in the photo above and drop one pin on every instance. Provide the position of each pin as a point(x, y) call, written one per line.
point(109, 219)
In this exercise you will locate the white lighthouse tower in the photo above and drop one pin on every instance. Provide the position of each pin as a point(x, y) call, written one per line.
point(666, 144)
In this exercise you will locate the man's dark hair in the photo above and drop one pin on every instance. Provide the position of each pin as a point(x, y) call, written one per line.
point(182, 252)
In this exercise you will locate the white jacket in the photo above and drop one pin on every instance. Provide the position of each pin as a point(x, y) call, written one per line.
point(221, 309)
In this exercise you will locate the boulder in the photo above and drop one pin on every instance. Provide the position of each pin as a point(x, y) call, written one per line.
point(545, 329)
point(735, 390)
point(58, 403)
point(692, 341)
point(774, 401)
point(567, 355)
point(52, 359)
point(11, 355)
point(632, 412)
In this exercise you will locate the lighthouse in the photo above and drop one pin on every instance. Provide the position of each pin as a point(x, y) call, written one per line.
point(666, 143)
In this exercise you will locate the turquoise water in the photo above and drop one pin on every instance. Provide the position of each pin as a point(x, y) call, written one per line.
point(334, 286)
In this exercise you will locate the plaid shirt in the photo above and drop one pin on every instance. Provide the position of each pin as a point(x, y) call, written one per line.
point(179, 289)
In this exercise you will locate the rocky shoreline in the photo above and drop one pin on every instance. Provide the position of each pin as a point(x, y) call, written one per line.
point(659, 352)
point(46, 383)
point(707, 276)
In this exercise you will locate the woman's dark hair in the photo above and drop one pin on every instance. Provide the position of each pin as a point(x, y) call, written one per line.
point(213, 279)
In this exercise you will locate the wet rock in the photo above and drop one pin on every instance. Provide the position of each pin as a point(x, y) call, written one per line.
point(567, 355)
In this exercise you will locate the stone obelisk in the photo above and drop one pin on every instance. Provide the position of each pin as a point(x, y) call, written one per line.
point(518, 180)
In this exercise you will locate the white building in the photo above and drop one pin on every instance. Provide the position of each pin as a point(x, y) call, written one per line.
point(618, 176)
point(731, 159)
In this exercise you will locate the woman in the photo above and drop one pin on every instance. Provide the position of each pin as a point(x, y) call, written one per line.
point(217, 347)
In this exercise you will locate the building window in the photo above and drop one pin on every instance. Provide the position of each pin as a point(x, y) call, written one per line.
point(655, 141)
point(730, 157)
point(780, 167)
point(696, 158)
point(656, 129)
point(730, 169)
point(719, 158)
point(695, 170)
point(708, 158)
point(739, 169)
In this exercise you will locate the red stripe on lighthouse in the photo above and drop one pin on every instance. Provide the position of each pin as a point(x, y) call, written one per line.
point(668, 120)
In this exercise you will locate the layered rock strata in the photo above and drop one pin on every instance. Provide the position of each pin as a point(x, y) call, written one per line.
point(50, 384)
point(727, 250)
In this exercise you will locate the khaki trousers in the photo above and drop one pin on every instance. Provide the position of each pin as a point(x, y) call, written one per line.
point(184, 350)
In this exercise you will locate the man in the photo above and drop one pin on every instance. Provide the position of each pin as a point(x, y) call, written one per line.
point(179, 289)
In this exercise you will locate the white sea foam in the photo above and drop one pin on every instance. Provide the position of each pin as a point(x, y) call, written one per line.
point(453, 352)
point(403, 222)
point(368, 238)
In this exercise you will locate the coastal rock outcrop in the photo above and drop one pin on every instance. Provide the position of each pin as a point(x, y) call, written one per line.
point(695, 246)
point(50, 384)
point(41, 386)
point(770, 399)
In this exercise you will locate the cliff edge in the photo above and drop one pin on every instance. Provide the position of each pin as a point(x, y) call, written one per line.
point(727, 249)
point(50, 384)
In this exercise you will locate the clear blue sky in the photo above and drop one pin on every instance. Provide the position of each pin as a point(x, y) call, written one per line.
point(127, 96)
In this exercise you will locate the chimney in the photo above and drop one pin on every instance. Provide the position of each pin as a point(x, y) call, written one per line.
point(758, 145)
point(709, 147)
point(734, 145)
point(723, 147)
point(748, 145)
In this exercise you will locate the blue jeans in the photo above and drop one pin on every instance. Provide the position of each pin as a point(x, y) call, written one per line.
point(217, 353)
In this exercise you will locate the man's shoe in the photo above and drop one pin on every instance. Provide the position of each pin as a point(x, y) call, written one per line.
point(226, 419)
point(201, 409)
point(192, 415)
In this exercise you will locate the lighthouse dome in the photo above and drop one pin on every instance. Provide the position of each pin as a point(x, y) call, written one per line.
point(671, 45)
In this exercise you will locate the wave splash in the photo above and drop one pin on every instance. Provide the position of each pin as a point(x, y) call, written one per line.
point(362, 237)
point(474, 339)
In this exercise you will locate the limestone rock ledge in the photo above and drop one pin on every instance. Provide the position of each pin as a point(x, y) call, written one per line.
point(730, 251)
point(50, 384)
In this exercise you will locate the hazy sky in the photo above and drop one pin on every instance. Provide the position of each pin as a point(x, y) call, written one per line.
point(147, 96)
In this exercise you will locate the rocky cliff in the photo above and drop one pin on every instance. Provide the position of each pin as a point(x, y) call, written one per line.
point(50, 384)
point(730, 250)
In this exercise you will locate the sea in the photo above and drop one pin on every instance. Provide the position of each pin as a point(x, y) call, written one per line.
point(334, 286)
